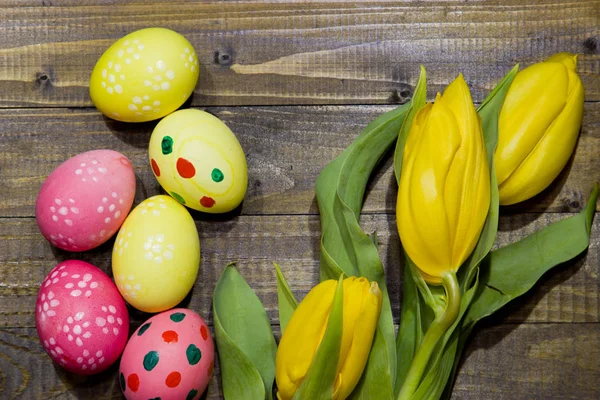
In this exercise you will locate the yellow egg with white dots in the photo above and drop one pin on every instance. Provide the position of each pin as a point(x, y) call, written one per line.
point(156, 255)
point(145, 75)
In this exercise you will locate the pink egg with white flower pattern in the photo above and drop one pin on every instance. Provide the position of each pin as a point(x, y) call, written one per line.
point(170, 356)
point(84, 201)
point(81, 318)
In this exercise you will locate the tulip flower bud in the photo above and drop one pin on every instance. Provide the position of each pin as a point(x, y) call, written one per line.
point(444, 189)
point(538, 127)
point(305, 330)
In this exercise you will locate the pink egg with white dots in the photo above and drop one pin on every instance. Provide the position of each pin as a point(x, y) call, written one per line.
point(170, 356)
point(84, 201)
point(81, 318)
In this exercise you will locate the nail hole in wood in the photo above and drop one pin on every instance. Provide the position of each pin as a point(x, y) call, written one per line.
point(223, 57)
point(591, 45)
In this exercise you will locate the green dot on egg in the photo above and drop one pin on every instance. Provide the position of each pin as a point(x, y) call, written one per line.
point(122, 381)
point(150, 360)
point(193, 354)
point(144, 328)
point(167, 145)
point(178, 197)
point(177, 317)
point(217, 175)
point(191, 394)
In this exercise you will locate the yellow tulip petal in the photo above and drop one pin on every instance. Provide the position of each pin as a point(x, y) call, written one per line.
point(420, 196)
point(469, 169)
point(538, 128)
point(306, 328)
point(551, 153)
point(362, 337)
point(444, 191)
point(536, 96)
point(302, 337)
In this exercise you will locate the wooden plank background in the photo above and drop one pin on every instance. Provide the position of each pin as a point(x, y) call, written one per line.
point(296, 81)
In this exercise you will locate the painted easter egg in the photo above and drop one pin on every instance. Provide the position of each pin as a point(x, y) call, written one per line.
point(156, 255)
point(145, 75)
point(199, 161)
point(170, 356)
point(84, 201)
point(81, 319)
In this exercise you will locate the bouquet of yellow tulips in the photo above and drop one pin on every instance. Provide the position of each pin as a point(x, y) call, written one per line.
point(455, 165)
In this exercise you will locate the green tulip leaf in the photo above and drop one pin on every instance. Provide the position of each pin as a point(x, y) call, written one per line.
point(410, 332)
point(245, 341)
point(285, 299)
point(240, 377)
point(416, 103)
point(345, 248)
point(512, 270)
point(375, 382)
point(321, 375)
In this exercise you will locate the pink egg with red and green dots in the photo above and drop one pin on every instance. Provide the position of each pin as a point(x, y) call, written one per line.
point(198, 160)
point(170, 356)
point(84, 201)
point(81, 318)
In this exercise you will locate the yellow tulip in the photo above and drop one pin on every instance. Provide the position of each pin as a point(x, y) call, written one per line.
point(305, 330)
point(444, 190)
point(538, 127)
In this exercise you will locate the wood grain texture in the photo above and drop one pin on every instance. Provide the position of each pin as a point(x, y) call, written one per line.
point(289, 52)
point(569, 294)
point(502, 362)
point(286, 148)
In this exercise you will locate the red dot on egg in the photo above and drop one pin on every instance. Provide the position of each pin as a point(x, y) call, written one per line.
point(155, 167)
point(170, 337)
point(125, 161)
point(133, 382)
point(185, 168)
point(209, 371)
point(173, 379)
point(207, 202)
point(204, 332)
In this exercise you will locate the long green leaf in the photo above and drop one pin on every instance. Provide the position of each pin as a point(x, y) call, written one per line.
point(417, 102)
point(375, 382)
point(240, 377)
point(337, 253)
point(511, 271)
point(245, 341)
point(321, 375)
point(514, 269)
point(285, 299)
point(345, 248)
point(410, 332)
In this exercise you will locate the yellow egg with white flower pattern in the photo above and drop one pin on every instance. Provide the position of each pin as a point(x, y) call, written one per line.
point(145, 75)
point(156, 255)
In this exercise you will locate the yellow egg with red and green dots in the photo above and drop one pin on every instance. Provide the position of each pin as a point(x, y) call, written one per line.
point(198, 160)
point(145, 75)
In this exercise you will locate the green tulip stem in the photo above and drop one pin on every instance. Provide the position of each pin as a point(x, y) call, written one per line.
point(436, 330)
